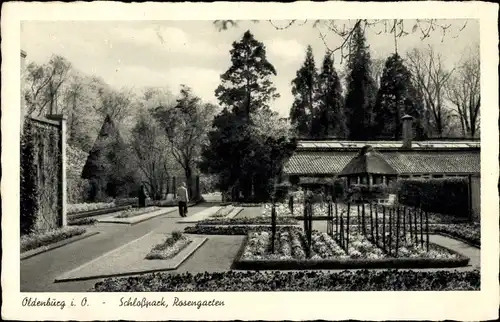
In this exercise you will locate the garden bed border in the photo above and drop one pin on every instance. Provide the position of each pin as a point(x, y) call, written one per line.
point(463, 240)
point(97, 212)
point(42, 249)
point(384, 263)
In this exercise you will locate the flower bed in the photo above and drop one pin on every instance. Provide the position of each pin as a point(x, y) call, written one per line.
point(35, 240)
point(170, 247)
point(290, 253)
point(321, 210)
point(469, 233)
point(135, 212)
point(247, 221)
point(84, 207)
point(358, 280)
point(97, 212)
point(82, 222)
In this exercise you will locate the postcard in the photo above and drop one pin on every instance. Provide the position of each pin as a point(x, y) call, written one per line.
point(250, 161)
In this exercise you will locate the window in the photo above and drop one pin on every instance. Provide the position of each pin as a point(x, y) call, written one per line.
point(416, 176)
point(436, 176)
point(404, 176)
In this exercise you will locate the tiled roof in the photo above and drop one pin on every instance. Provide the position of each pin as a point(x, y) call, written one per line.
point(380, 145)
point(332, 162)
point(368, 161)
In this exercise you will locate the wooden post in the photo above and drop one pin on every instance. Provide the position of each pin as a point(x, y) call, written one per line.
point(410, 220)
point(397, 231)
point(422, 228)
point(336, 220)
point(306, 202)
point(390, 229)
point(383, 228)
point(341, 237)
point(359, 216)
point(273, 226)
point(329, 222)
point(363, 217)
point(404, 223)
point(371, 222)
point(376, 226)
point(347, 230)
point(427, 229)
point(290, 204)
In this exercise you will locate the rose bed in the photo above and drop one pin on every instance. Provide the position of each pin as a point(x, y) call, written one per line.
point(290, 253)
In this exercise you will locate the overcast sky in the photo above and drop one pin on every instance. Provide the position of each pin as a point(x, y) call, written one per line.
point(170, 53)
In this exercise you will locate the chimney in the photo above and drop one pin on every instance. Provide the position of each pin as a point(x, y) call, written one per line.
point(407, 131)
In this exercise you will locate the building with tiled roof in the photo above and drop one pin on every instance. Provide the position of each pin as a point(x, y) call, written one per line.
point(411, 159)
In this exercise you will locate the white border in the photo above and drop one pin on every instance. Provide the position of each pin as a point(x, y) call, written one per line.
point(293, 306)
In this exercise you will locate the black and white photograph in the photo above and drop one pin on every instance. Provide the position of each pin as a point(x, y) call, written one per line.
point(249, 155)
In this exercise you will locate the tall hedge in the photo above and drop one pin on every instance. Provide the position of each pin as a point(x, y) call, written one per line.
point(28, 180)
point(446, 196)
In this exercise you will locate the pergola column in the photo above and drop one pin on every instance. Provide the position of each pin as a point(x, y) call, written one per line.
point(370, 179)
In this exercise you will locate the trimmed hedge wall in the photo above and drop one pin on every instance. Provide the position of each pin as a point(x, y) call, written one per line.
point(446, 196)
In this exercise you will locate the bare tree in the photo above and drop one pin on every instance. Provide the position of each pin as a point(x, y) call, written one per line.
point(431, 79)
point(186, 125)
point(464, 92)
point(345, 29)
point(43, 85)
point(150, 148)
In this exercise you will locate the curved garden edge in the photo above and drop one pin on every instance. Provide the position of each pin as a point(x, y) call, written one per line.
point(384, 263)
point(452, 236)
point(61, 243)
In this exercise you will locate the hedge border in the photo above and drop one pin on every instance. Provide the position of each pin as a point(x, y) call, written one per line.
point(43, 249)
point(386, 263)
point(97, 212)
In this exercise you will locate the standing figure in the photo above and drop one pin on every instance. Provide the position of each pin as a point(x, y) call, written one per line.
point(142, 196)
point(183, 199)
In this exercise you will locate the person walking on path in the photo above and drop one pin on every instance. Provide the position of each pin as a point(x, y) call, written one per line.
point(142, 196)
point(183, 199)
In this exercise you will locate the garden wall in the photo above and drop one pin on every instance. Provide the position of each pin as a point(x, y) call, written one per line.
point(43, 188)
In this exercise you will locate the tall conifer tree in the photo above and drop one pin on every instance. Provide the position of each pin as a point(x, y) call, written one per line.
point(361, 89)
point(328, 119)
point(396, 97)
point(303, 89)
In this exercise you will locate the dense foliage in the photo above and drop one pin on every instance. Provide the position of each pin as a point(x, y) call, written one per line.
point(248, 143)
point(328, 118)
point(304, 87)
point(397, 97)
point(348, 280)
point(29, 181)
point(246, 86)
point(446, 196)
point(107, 165)
point(361, 89)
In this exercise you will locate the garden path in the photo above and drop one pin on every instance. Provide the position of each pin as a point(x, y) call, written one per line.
point(61, 260)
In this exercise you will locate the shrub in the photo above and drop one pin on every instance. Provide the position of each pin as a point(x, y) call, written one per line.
point(35, 240)
point(82, 221)
point(364, 192)
point(347, 280)
point(447, 196)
